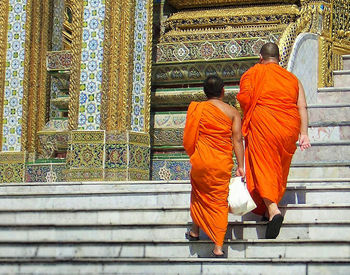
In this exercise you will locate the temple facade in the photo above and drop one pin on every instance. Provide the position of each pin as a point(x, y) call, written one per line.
point(97, 90)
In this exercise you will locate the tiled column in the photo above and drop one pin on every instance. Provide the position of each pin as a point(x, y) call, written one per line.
point(13, 83)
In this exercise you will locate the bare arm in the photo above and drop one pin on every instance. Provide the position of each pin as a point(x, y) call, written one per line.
point(304, 141)
point(238, 143)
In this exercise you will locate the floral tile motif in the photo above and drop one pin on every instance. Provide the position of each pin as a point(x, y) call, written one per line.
point(11, 172)
point(91, 65)
point(140, 65)
point(116, 175)
point(38, 173)
point(116, 156)
point(84, 174)
point(139, 175)
point(58, 172)
point(169, 120)
point(14, 73)
point(216, 49)
point(168, 136)
point(87, 156)
point(170, 169)
point(139, 157)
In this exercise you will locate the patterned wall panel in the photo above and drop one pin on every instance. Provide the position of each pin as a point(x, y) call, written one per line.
point(86, 156)
point(91, 65)
point(12, 113)
point(141, 81)
point(12, 167)
point(57, 45)
point(171, 169)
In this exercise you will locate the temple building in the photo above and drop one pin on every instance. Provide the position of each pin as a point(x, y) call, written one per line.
point(97, 90)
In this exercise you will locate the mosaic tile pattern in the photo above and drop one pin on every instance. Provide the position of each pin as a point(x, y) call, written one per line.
point(116, 156)
point(57, 172)
point(12, 128)
point(91, 65)
point(61, 60)
point(139, 157)
point(12, 167)
point(57, 45)
point(170, 169)
point(139, 75)
point(169, 120)
point(58, 18)
point(85, 157)
point(206, 50)
point(39, 173)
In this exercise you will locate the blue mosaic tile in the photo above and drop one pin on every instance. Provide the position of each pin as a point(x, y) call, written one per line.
point(91, 65)
point(12, 128)
point(170, 169)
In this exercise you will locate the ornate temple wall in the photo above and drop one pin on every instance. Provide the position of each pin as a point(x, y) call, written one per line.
point(98, 90)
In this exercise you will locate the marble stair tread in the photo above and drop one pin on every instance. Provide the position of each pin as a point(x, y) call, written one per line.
point(153, 216)
point(178, 248)
point(180, 266)
point(329, 230)
point(172, 260)
point(341, 78)
point(176, 187)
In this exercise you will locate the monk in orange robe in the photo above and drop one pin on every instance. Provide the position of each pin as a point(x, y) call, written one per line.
point(212, 129)
point(275, 117)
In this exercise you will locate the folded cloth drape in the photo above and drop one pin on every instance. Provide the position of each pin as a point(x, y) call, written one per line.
point(271, 125)
point(207, 140)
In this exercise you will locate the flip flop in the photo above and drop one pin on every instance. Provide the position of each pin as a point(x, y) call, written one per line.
point(218, 256)
point(191, 238)
point(273, 227)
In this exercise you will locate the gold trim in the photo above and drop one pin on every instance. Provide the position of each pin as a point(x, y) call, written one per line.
point(4, 12)
point(240, 12)
point(44, 80)
point(27, 77)
point(126, 65)
point(77, 40)
point(147, 107)
point(111, 50)
point(181, 4)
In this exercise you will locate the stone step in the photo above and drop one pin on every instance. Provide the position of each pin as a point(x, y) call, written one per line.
point(296, 213)
point(329, 113)
point(324, 151)
point(163, 232)
point(180, 266)
point(319, 170)
point(245, 249)
point(346, 62)
point(142, 187)
point(341, 78)
point(169, 195)
point(331, 95)
point(329, 132)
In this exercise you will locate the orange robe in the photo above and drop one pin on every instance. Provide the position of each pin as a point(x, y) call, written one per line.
point(207, 140)
point(271, 125)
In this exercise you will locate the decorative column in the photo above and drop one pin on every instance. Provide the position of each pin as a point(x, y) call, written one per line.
point(126, 89)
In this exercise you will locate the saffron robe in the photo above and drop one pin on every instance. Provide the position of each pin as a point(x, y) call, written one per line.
point(207, 140)
point(271, 126)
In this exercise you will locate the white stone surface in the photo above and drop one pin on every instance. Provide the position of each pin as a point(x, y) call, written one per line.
point(325, 113)
point(341, 78)
point(303, 63)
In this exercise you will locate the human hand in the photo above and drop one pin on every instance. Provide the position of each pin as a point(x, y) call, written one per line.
point(240, 172)
point(304, 142)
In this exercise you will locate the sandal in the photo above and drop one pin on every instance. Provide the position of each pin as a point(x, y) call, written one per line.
point(273, 227)
point(223, 255)
point(191, 238)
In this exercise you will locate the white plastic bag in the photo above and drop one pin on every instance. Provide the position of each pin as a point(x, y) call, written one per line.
point(239, 199)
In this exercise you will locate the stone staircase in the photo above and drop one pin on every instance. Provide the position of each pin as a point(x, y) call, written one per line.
point(138, 228)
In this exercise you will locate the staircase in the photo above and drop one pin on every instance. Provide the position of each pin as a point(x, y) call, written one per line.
point(138, 228)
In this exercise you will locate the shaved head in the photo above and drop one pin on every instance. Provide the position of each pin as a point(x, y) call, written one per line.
point(270, 50)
